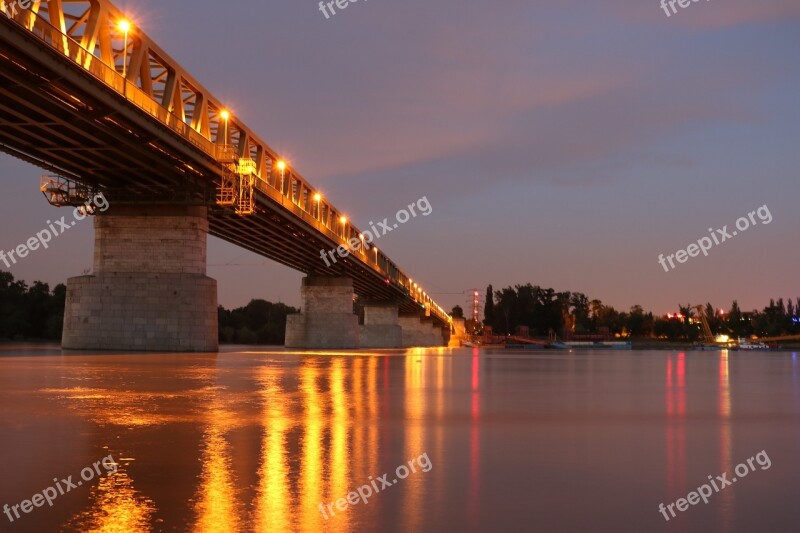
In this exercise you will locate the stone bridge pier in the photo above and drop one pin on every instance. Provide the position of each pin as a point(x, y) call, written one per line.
point(327, 321)
point(149, 290)
point(381, 327)
point(420, 331)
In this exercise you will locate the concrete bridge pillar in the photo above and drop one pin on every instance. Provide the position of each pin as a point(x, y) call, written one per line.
point(381, 327)
point(459, 332)
point(326, 319)
point(149, 290)
point(419, 331)
point(436, 333)
point(444, 331)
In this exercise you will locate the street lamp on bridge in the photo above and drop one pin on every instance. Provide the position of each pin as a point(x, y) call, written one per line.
point(124, 26)
point(282, 168)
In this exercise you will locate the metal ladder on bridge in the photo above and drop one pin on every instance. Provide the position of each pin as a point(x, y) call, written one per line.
point(237, 185)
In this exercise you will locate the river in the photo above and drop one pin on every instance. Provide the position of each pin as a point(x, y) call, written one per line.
point(254, 439)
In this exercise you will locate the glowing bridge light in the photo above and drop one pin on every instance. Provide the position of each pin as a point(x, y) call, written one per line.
point(124, 26)
point(224, 114)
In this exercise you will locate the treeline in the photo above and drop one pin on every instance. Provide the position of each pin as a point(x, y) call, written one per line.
point(259, 322)
point(30, 313)
point(544, 311)
point(37, 313)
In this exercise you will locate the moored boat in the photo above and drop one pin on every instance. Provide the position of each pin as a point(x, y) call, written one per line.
point(745, 344)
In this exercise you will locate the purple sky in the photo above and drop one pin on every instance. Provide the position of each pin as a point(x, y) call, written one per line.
point(563, 143)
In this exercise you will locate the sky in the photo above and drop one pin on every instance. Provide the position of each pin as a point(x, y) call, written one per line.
point(563, 143)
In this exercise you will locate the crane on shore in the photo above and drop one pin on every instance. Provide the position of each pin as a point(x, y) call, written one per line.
point(708, 337)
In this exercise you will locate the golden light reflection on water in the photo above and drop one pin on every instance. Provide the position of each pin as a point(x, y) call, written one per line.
point(273, 511)
point(315, 443)
point(370, 450)
point(474, 438)
point(311, 472)
point(216, 507)
point(440, 415)
point(118, 407)
point(340, 449)
point(116, 507)
point(415, 437)
point(359, 469)
point(725, 441)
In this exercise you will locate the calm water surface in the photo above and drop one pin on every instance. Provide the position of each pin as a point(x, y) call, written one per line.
point(255, 440)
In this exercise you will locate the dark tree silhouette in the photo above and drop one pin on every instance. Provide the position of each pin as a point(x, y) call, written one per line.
point(488, 307)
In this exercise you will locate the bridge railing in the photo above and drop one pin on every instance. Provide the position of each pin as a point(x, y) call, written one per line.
point(115, 80)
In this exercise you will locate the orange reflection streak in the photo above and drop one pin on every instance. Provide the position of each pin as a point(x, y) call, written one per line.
point(386, 395)
point(372, 389)
point(116, 506)
point(474, 440)
point(415, 436)
point(439, 395)
point(114, 503)
point(724, 386)
point(476, 379)
point(439, 490)
point(272, 510)
point(681, 370)
point(669, 449)
point(372, 449)
point(359, 470)
point(675, 392)
point(217, 509)
point(340, 449)
point(725, 444)
point(312, 477)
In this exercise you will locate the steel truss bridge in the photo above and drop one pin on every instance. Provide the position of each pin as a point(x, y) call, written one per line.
point(94, 101)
